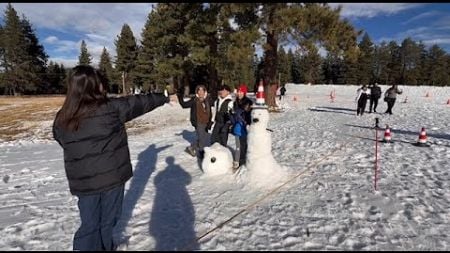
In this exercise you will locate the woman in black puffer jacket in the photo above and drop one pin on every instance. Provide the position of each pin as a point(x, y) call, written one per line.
point(91, 129)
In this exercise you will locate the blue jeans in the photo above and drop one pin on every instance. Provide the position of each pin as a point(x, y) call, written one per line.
point(99, 213)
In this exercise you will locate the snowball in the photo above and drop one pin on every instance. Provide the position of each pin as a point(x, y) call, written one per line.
point(218, 160)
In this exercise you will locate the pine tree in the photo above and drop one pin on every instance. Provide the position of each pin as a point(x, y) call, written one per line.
point(350, 70)
point(106, 68)
point(423, 75)
point(394, 64)
point(381, 60)
point(296, 68)
point(19, 47)
point(438, 67)
point(311, 65)
point(85, 57)
point(126, 49)
point(290, 61)
point(37, 55)
point(410, 62)
point(284, 67)
point(55, 77)
point(307, 24)
point(365, 60)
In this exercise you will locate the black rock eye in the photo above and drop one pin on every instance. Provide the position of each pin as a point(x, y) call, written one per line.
point(213, 160)
point(255, 120)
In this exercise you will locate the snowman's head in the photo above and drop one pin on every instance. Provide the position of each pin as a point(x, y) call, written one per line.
point(217, 160)
point(260, 117)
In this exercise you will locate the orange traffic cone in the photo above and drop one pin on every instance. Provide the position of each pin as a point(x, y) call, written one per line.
point(387, 135)
point(422, 142)
point(260, 98)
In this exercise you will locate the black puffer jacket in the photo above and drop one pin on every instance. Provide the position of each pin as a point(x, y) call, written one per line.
point(96, 156)
point(243, 104)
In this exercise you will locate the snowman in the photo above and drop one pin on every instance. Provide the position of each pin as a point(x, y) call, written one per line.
point(261, 167)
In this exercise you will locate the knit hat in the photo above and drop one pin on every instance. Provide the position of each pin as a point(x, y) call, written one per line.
point(243, 88)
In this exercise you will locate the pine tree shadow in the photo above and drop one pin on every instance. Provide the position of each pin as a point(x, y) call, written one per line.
point(173, 215)
point(144, 168)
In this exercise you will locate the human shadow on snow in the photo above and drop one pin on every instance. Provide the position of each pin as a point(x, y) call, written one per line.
point(189, 136)
point(144, 168)
point(173, 215)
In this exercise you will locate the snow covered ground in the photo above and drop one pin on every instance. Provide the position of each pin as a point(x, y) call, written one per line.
point(328, 202)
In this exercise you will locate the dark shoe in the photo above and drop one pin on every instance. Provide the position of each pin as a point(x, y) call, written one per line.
point(370, 112)
point(374, 110)
point(190, 151)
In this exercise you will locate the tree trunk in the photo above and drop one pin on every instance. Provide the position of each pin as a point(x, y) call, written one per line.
point(124, 90)
point(212, 69)
point(270, 68)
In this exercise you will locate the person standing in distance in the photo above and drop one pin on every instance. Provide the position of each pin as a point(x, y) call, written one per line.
point(361, 100)
point(390, 96)
point(375, 94)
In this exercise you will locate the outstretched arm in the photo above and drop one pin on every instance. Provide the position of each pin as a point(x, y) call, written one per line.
point(133, 106)
point(187, 104)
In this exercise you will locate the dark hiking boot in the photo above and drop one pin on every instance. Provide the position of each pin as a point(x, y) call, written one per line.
point(190, 151)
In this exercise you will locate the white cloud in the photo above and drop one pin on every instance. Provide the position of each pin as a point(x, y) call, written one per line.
point(438, 41)
point(429, 35)
point(68, 63)
point(370, 10)
point(51, 39)
point(96, 23)
point(421, 16)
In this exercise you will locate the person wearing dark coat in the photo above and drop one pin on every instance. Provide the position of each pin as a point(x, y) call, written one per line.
point(91, 130)
point(241, 115)
point(390, 96)
point(282, 92)
point(361, 99)
point(200, 119)
point(375, 94)
point(222, 109)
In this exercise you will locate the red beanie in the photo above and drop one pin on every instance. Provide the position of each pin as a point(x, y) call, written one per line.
point(243, 88)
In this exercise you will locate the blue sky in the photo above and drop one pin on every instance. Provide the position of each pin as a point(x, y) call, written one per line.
point(61, 26)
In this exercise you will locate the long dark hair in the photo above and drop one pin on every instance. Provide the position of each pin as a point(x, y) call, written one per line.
point(85, 93)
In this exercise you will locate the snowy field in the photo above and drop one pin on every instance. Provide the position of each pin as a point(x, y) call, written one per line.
point(328, 201)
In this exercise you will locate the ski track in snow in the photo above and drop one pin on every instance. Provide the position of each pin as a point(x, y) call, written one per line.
point(330, 206)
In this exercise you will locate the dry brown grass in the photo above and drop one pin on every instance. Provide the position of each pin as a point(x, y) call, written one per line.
point(21, 116)
point(28, 116)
